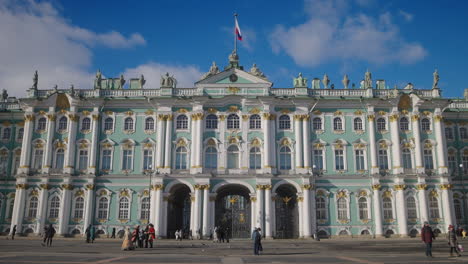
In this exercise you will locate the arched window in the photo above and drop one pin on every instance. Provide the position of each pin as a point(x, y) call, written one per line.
point(411, 207)
point(109, 124)
point(38, 157)
point(3, 161)
point(145, 206)
point(63, 122)
point(255, 158)
point(433, 207)
point(82, 159)
point(406, 158)
point(337, 123)
point(284, 122)
point(127, 159)
point(425, 124)
point(255, 122)
point(343, 233)
point(33, 203)
point(54, 207)
point(79, 208)
point(20, 134)
point(363, 210)
point(128, 123)
point(365, 232)
point(387, 208)
point(86, 123)
point(212, 122)
point(449, 133)
point(103, 206)
point(428, 161)
point(463, 133)
point(233, 157)
point(381, 124)
point(320, 208)
point(211, 158)
point(357, 123)
point(182, 122)
point(124, 207)
point(317, 123)
point(318, 159)
point(59, 158)
point(233, 121)
point(149, 123)
point(383, 159)
point(342, 209)
point(457, 205)
point(339, 160)
point(452, 162)
point(147, 159)
point(404, 124)
point(359, 155)
point(285, 158)
point(41, 123)
point(6, 133)
point(106, 163)
point(181, 158)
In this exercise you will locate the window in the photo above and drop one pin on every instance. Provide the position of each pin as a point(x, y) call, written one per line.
point(317, 123)
point(433, 207)
point(360, 166)
point(6, 133)
point(38, 157)
point(128, 123)
point(452, 162)
point(458, 209)
point(212, 122)
point(233, 157)
point(145, 206)
point(16, 162)
point(337, 124)
point(33, 203)
point(11, 205)
point(63, 122)
point(20, 134)
point(342, 209)
point(149, 123)
point(363, 210)
point(255, 122)
point(425, 124)
point(285, 158)
point(387, 208)
point(182, 122)
point(465, 162)
point(255, 158)
point(339, 160)
point(83, 160)
point(463, 133)
point(127, 159)
point(404, 124)
point(233, 121)
point(103, 206)
point(41, 123)
point(181, 158)
point(428, 161)
point(318, 159)
point(383, 159)
point(449, 133)
point(59, 158)
point(109, 124)
point(106, 159)
point(4, 162)
point(79, 208)
point(381, 124)
point(406, 158)
point(86, 124)
point(411, 207)
point(320, 208)
point(211, 158)
point(147, 159)
point(124, 205)
point(357, 123)
point(54, 207)
point(284, 122)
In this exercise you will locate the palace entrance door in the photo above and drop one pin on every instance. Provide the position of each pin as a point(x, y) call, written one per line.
point(286, 211)
point(178, 210)
point(232, 213)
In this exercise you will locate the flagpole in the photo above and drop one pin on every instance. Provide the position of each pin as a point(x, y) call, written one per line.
point(235, 34)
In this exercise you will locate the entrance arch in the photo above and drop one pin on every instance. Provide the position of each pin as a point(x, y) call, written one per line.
point(286, 212)
point(232, 211)
point(178, 210)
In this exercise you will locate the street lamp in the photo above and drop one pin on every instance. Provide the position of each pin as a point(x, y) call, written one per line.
point(316, 172)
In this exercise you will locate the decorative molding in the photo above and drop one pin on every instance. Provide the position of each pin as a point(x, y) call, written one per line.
point(399, 187)
point(376, 187)
point(21, 186)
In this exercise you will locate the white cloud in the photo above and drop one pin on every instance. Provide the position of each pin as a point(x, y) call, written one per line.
point(335, 34)
point(406, 16)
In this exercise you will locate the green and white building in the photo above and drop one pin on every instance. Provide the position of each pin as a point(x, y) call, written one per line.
point(233, 151)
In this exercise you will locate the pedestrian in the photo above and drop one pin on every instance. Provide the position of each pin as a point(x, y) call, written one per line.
point(145, 237)
point(227, 234)
point(50, 235)
point(463, 234)
point(127, 242)
point(452, 241)
point(92, 234)
point(180, 234)
point(113, 232)
point(141, 237)
point(151, 235)
point(221, 235)
point(215, 234)
point(135, 235)
point(257, 239)
point(190, 236)
point(88, 234)
point(13, 232)
point(427, 236)
point(44, 235)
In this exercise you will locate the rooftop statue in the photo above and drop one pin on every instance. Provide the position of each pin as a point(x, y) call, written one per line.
point(142, 81)
point(168, 81)
point(213, 70)
point(121, 81)
point(256, 71)
point(233, 57)
point(300, 81)
point(345, 81)
point(72, 90)
point(368, 80)
point(436, 79)
point(325, 81)
point(97, 82)
point(35, 80)
point(4, 95)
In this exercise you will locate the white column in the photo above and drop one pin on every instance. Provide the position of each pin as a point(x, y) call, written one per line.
point(396, 149)
point(25, 159)
point(94, 142)
point(272, 126)
point(377, 210)
point(164, 217)
point(158, 209)
point(441, 146)
point(300, 204)
point(192, 212)
point(313, 212)
point(160, 129)
point(306, 143)
point(199, 151)
point(168, 147)
point(417, 143)
point(447, 208)
point(206, 211)
point(423, 202)
point(253, 212)
point(197, 211)
point(193, 143)
point(267, 165)
point(259, 205)
point(212, 219)
point(298, 137)
point(70, 154)
point(401, 210)
point(306, 208)
point(372, 146)
point(64, 213)
point(154, 206)
point(18, 207)
point(268, 215)
point(50, 138)
point(89, 206)
point(42, 208)
point(273, 215)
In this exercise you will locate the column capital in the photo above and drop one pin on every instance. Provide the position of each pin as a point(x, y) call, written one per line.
point(29, 117)
point(421, 187)
point(393, 117)
point(445, 186)
point(267, 187)
point(21, 186)
point(89, 187)
point(415, 117)
point(376, 187)
point(51, 117)
point(67, 187)
point(300, 199)
point(198, 187)
point(371, 118)
point(438, 118)
point(157, 187)
point(399, 187)
point(44, 186)
point(307, 187)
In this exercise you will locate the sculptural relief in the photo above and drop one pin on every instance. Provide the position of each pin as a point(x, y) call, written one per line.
point(325, 81)
point(345, 81)
point(300, 81)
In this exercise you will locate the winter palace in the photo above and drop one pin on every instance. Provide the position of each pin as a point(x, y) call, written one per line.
point(317, 158)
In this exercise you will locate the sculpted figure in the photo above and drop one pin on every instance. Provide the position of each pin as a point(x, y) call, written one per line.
point(4, 95)
point(142, 81)
point(98, 79)
point(72, 91)
point(35, 80)
point(213, 70)
point(368, 80)
point(121, 81)
point(436, 79)
point(300, 81)
point(325, 81)
point(256, 71)
point(345, 81)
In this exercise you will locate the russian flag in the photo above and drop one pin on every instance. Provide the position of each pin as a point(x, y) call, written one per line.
point(238, 31)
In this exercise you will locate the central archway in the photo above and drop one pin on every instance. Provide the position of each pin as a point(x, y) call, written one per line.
point(232, 211)
point(178, 210)
point(287, 212)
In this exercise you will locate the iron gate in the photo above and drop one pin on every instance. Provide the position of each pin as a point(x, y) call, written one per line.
point(286, 217)
point(233, 215)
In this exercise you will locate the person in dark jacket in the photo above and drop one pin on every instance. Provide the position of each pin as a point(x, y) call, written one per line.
point(88, 234)
point(257, 238)
point(50, 234)
point(113, 232)
point(452, 241)
point(13, 233)
point(427, 236)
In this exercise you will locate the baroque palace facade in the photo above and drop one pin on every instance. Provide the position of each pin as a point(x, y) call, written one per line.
point(234, 152)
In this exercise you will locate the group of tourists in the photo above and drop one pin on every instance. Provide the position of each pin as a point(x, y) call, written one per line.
point(220, 234)
point(140, 237)
point(427, 236)
point(48, 234)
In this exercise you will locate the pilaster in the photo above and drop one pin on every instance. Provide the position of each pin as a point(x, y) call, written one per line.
point(65, 203)
point(70, 154)
point(377, 209)
point(441, 144)
point(18, 207)
point(94, 141)
point(299, 144)
point(50, 138)
point(42, 206)
point(372, 143)
point(401, 210)
point(417, 143)
point(396, 148)
point(268, 214)
point(25, 159)
point(89, 203)
point(168, 145)
point(206, 211)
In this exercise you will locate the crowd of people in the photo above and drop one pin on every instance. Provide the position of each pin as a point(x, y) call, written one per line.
point(139, 238)
point(427, 236)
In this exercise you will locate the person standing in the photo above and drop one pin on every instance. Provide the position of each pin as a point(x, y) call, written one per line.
point(92, 234)
point(44, 235)
point(257, 239)
point(215, 234)
point(50, 235)
point(135, 236)
point(88, 234)
point(463, 234)
point(13, 233)
point(427, 236)
point(127, 242)
point(113, 232)
point(452, 241)
point(151, 235)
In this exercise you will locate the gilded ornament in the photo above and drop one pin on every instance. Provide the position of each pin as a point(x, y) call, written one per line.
point(79, 193)
point(341, 194)
point(95, 117)
point(109, 113)
point(20, 124)
point(212, 110)
point(34, 193)
point(157, 187)
point(317, 112)
point(415, 117)
point(125, 193)
point(29, 118)
point(149, 112)
point(91, 187)
point(233, 108)
point(86, 113)
point(404, 112)
point(129, 113)
point(285, 142)
point(222, 117)
point(300, 199)
point(387, 194)
point(381, 112)
point(338, 113)
point(267, 187)
point(438, 118)
point(285, 111)
point(181, 143)
point(233, 89)
point(254, 111)
point(253, 199)
point(433, 193)
point(318, 146)
point(445, 186)
point(358, 112)
point(376, 187)
point(255, 142)
point(394, 118)
point(426, 113)
point(286, 199)
point(306, 186)
point(44, 186)
point(245, 117)
point(41, 112)
point(371, 118)
point(362, 193)
point(399, 187)
point(103, 193)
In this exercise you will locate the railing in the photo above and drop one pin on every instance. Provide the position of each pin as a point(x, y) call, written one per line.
point(462, 105)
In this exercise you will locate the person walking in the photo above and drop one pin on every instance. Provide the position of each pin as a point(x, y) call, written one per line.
point(92, 234)
point(127, 242)
point(427, 236)
point(13, 233)
point(452, 241)
point(257, 239)
point(50, 235)
point(151, 235)
point(113, 232)
point(463, 234)
point(215, 234)
point(88, 234)
point(44, 235)
point(141, 237)
point(135, 235)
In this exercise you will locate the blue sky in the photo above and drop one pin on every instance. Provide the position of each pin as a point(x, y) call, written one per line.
point(399, 41)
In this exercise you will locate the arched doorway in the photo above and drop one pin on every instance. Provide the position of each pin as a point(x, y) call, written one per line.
point(232, 211)
point(286, 212)
point(178, 210)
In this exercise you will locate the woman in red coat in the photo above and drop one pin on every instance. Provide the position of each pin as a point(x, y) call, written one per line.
point(151, 234)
